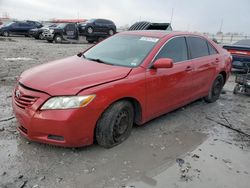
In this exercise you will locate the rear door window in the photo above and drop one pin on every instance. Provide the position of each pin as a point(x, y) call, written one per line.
point(175, 49)
point(198, 47)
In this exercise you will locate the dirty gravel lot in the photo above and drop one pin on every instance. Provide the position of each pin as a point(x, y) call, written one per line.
point(189, 147)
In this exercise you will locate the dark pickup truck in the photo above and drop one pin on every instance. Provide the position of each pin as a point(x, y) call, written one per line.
point(37, 33)
point(62, 32)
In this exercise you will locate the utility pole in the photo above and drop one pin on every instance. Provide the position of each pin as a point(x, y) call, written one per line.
point(172, 14)
point(221, 24)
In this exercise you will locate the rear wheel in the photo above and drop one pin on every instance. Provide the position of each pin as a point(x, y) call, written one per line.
point(216, 89)
point(6, 34)
point(115, 124)
point(111, 32)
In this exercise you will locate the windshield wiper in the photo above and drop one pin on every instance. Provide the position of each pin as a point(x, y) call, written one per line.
point(98, 60)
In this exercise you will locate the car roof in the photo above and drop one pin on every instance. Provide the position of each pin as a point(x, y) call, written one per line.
point(159, 33)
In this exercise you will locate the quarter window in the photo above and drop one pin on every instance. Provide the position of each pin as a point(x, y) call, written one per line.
point(175, 49)
point(198, 47)
point(211, 49)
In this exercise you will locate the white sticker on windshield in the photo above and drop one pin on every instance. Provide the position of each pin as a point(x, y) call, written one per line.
point(149, 39)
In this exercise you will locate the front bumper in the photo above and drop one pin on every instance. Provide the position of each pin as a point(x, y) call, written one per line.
point(241, 62)
point(68, 128)
point(48, 35)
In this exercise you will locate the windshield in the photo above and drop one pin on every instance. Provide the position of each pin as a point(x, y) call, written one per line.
point(8, 24)
point(123, 50)
point(61, 25)
point(90, 21)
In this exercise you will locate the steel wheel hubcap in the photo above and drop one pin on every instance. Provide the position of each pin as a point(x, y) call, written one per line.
point(121, 124)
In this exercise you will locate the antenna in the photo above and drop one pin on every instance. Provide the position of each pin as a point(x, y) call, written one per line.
point(221, 24)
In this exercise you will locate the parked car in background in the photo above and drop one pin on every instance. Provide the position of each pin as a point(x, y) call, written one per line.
point(37, 33)
point(241, 54)
point(150, 26)
point(98, 26)
point(97, 29)
point(129, 78)
point(18, 28)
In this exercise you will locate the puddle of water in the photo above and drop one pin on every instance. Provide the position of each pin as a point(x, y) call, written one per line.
point(217, 164)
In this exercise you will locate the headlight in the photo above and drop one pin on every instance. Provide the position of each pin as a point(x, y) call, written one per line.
point(51, 30)
point(67, 102)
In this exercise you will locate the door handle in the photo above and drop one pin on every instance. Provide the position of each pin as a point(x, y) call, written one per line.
point(216, 61)
point(189, 68)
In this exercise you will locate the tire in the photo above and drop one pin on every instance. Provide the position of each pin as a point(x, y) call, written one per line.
point(50, 41)
point(215, 90)
point(6, 34)
point(115, 124)
point(90, 30)
point(91, 41)
point(236, 89)
point(40, 36)
point(100, 39)
point(58, 39)
point(111, 32)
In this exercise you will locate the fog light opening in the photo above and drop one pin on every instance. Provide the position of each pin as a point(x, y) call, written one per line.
point(55, 137)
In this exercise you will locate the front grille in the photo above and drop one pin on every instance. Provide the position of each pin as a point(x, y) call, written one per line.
point(25, 101)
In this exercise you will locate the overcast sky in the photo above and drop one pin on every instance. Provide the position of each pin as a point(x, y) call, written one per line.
point(192, 15)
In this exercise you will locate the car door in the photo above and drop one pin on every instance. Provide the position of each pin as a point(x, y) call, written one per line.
point(204, 64)
point(23, 28)
point(170, 88)
point(99, 26)
point(14, 28)
point(70, 31)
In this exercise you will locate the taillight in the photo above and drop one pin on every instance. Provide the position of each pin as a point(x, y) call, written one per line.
point(239, 52)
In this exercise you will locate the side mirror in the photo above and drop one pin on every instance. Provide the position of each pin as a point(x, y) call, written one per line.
point(163, 63)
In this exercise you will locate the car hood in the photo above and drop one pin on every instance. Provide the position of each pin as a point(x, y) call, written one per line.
point(71, 75)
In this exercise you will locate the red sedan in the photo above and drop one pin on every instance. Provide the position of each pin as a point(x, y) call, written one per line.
point(127, 79)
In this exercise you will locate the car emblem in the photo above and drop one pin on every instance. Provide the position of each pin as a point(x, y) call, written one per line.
point(18, 94)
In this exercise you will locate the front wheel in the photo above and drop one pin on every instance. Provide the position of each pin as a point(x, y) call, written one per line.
point(58, 39)
point(236, 89)
point(40, 36)
point(6, 34)
point(215, 90)
point(115, 124)
point(90, 30)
